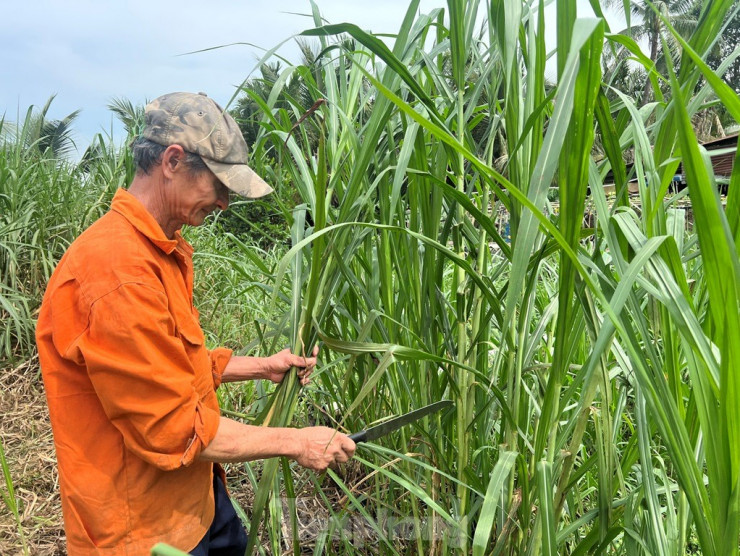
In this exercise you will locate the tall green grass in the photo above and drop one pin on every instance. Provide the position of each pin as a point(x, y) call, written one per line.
point(10, 500)
point(591, 368)
point(45, 202)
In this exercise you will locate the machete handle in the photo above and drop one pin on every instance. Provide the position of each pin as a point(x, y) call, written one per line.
point(358, 436)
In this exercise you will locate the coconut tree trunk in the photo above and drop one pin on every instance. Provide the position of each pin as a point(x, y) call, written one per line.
point(654, 57)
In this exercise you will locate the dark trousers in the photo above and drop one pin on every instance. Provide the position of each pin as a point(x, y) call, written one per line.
point(226, 536)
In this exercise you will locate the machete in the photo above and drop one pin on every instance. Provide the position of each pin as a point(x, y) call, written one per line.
point(396, 423)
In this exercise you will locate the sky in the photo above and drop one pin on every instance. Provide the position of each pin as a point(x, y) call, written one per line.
point(89, 52)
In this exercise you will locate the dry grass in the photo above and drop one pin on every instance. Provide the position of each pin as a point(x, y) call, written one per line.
point(312, 513)
point(26, 434)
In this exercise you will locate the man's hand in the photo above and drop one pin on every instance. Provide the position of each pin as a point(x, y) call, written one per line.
point(276, 366)
point(313, 447)
point(322, 447)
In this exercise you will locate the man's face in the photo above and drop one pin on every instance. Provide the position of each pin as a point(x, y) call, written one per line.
point(199, 194)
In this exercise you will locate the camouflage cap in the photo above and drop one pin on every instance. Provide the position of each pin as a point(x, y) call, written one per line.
point(200, 126)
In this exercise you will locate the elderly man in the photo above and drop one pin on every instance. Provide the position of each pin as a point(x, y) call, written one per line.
point(129, 382)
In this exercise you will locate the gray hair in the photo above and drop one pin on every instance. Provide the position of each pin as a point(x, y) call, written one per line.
point(148, 154)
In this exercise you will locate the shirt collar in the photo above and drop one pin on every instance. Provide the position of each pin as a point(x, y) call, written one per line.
point(132, 210)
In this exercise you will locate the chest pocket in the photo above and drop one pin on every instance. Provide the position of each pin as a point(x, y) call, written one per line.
point(190, 333)
point(188, 328)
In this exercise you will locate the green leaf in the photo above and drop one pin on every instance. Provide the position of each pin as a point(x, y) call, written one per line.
point(494, 493)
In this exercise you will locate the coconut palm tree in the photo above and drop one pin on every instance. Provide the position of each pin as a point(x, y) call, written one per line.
point(648, 26)
point(37, 132)
point(130, 115)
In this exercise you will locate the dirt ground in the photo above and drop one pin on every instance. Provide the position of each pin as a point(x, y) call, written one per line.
point(27, 439)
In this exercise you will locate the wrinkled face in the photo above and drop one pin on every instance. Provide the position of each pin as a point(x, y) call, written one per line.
point(197, 195)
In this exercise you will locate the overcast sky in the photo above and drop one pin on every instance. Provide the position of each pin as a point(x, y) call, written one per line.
point(89, 52)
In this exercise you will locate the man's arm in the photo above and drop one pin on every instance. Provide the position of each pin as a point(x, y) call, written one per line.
point(269, 368)
point(313, 447)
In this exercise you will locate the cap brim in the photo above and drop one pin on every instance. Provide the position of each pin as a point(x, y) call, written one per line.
point(240, 178)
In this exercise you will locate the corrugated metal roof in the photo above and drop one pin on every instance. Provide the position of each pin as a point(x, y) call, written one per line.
point(722, 142)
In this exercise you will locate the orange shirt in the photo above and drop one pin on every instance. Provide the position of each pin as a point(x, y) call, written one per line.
point(130, 387)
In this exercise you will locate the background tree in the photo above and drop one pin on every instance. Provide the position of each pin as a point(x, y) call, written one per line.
point(730, 40)
point(644, 24)
point(129, 114)
point(714, 120)
point(247, 112)
point(41, 134)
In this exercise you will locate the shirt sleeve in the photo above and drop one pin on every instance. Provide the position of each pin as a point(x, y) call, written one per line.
point(145, 378)
point(219, 359)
